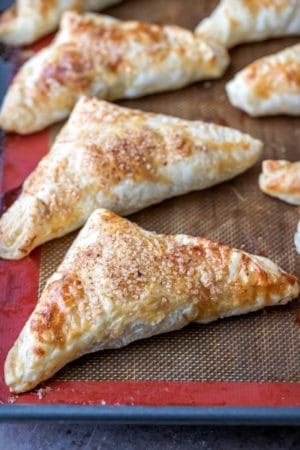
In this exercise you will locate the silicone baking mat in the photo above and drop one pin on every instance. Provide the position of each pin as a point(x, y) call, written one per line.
point(249, 360)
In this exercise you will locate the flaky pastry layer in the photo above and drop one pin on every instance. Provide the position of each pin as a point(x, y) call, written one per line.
point(269, 86)
point(105, 57)
point(281, 179)
point(29, 20)
point(121, 159)
point(235, 22)
point(119, 283)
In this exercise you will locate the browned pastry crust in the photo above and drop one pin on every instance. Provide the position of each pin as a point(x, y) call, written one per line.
point(269, 86)
point(119, 283)
point(123, 160)
point(102, 56)
point(28, 20)
point(234, 22)
point(281, 179)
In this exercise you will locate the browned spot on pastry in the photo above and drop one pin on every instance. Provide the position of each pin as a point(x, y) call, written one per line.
point(135, 155)
point(27, 244)
point(213, 60)
point(48, 323)
point(39, 351)
point(47, 6)
point(234, 23)
point(51, 320)
point(115, 64)
point(72, 68)
point(181, 144)
point(228, 146)
point(288, 184)
point(263, 281)
point(281, 177)
point(267, 77)
point(256, 6)
point(270, 166)
point(108, 44)
point(290, 278)
point(147, 32)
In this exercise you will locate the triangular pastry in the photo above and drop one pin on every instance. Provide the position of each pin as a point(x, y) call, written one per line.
point(119, 283)
point(121, 159)
point(28, 20)
point(102, 56)
point(269, 86)
point(234, 22)
point(281, 179)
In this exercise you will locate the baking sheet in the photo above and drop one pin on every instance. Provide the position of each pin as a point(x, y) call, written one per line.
point(245, 352)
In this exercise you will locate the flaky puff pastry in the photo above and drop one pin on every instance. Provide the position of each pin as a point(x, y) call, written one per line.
point(234, 22)
point(119, 283)
point(28, 20)
point(269, 86)
point(123, 160)
point(102, 56)
point(281, 179)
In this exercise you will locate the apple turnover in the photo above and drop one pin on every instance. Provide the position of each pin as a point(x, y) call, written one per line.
point(234, 22)
point(120, 159)
point(281, 179)
point(119, 283)
point(28, 20)
point(107, 58)
point(268, 86)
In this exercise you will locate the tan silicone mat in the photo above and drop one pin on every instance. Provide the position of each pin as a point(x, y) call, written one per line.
point(258, 347)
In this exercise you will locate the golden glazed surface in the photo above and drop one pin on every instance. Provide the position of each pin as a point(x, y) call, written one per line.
point(235, 22)
point(28, 20)
point(270, 85)
point(119, 283)
point(256, 6)
point(280, 77)
point(121, 159)
point(281, 179)
point(102, 56)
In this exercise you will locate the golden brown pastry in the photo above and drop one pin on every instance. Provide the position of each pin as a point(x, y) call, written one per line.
point(123, 160)
point(234, 22)
point(102, 56)
point(119, 283)
point(269, 86)
point(281, 179)
point(28, 20)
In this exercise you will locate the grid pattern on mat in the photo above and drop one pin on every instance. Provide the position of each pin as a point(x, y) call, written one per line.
point(262, 346)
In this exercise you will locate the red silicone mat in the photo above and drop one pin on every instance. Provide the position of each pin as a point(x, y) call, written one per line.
point(243, 361)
